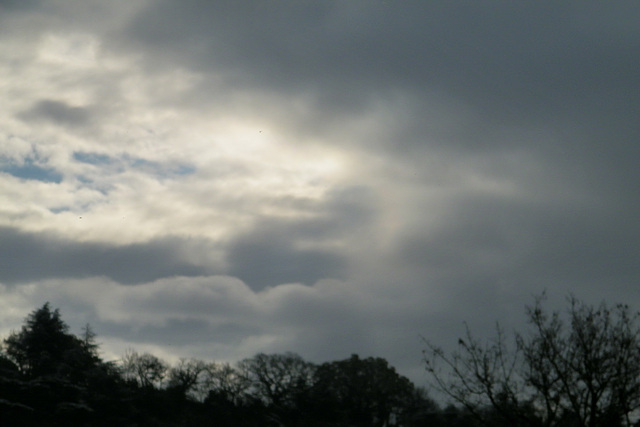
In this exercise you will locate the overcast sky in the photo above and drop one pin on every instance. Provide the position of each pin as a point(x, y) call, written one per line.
point(214, 179)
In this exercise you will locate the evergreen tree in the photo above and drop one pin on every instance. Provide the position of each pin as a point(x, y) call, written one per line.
point(52, 377)
point(42, 345)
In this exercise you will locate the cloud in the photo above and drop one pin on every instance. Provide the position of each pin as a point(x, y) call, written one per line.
point(35, 256)
point(458, 49)
point(221, 318)
point(304, 250)
point(58, 112)
point(267, 256)
point(18, 5)
point(322, 177)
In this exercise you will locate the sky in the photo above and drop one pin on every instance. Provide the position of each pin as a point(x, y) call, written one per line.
point(214, 179)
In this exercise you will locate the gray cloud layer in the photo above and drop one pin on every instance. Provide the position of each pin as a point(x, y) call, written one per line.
point(58, 112)
point(562, 74)
point(28, 257)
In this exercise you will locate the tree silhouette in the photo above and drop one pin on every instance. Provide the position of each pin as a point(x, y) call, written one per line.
point(278, 381)
point(277, 378)
point(186, 377)
point(225, 383)
point(145, 369)
point(43, 345)
point(362, 392)
point(583, 371)
point(50, 377)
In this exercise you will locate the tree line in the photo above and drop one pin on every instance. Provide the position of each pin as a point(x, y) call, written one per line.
point(580, 368)
point(51, 377)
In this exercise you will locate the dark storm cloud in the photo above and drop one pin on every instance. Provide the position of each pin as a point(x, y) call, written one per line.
point(557, 79)
point(268, 256)
point(18, 5)
point(515, 59)
point(279, 251)
point(36, 256)
point(490, 243)
point(58, 112)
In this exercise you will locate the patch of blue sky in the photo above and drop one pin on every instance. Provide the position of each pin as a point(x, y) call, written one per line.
point(94, 185)
point(159, 169)
point(84, 180)
point(93, 158)
point(141, 163)
point(31, 171)
point(183, 170)
point(122, 162)
point(60, 209)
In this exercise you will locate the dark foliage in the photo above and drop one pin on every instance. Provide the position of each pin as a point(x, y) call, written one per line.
point(578, 370)
point(362, 392)
point(585, 372)
point(50, 377)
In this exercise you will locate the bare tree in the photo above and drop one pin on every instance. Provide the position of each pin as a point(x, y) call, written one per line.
point(592, 370)
point(278, 378)
point(225, 381)
point(480, 376)
point(583, 371)
point(187, 376)
point(146, 369)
